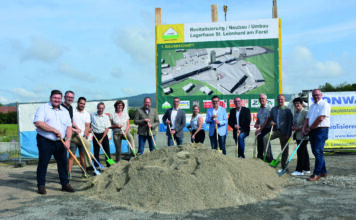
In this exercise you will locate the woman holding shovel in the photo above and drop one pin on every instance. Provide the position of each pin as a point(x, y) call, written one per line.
point(196, 124)
point(120, 123)
point(303, 165)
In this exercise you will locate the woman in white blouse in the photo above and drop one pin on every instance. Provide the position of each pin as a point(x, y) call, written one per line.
point(196, 124)
point(120, 123)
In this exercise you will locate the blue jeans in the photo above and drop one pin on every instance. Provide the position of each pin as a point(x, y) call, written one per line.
point(141, 143)
point(178, 140)
point(317, 138)
point(241, 141)
point(214, 144)
point(47, 148)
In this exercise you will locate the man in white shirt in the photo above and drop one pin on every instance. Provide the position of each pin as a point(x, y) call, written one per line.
point(81, 126)
point(317, 124)
point(100, 123)
point(175, 118)
point(52, 124)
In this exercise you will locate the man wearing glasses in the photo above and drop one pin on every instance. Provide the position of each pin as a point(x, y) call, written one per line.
point(317, 124)
point(67, 104)
point(262, 124)
point(217, 119)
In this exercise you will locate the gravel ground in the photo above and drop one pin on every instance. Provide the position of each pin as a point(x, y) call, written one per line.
point(331, 198)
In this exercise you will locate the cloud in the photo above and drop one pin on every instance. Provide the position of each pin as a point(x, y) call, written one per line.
point(138, 43)
point(128, 91)
point(71, 71)
point(40, 49)
point(116, 72)
point(303, 71)
point(23, 93)
point(3, 100)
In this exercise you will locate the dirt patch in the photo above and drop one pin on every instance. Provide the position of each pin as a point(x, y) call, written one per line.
point(184, 178)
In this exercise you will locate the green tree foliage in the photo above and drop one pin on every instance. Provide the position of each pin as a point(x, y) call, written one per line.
point(132, 113)
point(341, 87)
point(8, 118)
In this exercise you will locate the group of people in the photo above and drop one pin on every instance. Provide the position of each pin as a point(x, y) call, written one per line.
point(56, 121)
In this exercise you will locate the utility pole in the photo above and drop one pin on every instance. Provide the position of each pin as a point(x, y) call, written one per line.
point(274, 9)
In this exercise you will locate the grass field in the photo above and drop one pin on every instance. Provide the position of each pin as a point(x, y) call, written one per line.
point(265, 63)
point(7, 132)
point(170, 56)
point(178, 88)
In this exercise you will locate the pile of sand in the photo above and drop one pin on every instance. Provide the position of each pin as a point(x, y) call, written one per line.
point(188, 177)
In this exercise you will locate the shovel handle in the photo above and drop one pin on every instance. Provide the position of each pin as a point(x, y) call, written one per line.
point(154, 142)
point(100, 145)
point(269, 139)
point(171, 135)
point(133, 150)
point(70, 152)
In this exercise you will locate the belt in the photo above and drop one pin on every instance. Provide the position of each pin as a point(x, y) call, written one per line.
point(320, 128)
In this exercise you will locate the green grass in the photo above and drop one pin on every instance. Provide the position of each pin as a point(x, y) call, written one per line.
point(178, 88)
point(265, 64)
point(8, 132)
point(170, 56)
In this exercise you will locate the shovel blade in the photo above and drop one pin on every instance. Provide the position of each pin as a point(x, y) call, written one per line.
point(274, 163)
point(110, 161)
point(281, 172)
point(97, 172)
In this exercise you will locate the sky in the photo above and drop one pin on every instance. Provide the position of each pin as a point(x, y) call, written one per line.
point(106, 49)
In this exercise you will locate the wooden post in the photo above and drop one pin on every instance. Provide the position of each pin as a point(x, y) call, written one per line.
point(158, 21)
point(214, 13)
point(158, 16)
point(274, 9)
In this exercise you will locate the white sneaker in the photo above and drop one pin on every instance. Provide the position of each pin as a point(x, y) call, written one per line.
point(297, 173)
point(306, 172)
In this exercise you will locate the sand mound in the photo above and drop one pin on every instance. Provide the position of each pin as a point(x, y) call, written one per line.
point(188, 177)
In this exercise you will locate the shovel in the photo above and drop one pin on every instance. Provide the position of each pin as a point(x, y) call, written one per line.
point(154, 143)
point(133, 150)
point(283, 171)
point(92, 163)
point(170, 131)
point(269, 138)
point(109, 160)
point(70, 152)
point(100, 166)
point(275, 163)
point(237, 143)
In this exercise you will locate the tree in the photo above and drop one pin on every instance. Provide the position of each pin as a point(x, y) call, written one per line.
point(132, 112)
point(341, 87)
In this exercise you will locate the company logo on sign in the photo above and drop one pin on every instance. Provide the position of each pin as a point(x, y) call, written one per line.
point(256, 104)
point(244, 102)
point(166, 105)
point(172, 33)
point(209, 104)
point(184, 104)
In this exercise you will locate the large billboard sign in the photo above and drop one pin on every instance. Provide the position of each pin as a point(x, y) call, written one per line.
point(342, 131)
point(228, 59)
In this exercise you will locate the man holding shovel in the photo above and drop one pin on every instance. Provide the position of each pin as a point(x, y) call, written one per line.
point(216, 117)
point(239, 121)
point(317, 124)
point(174, 118)
point(52, 124)
point(281, 120)
point(100, 123)
point(262, 124)
point(147, 120)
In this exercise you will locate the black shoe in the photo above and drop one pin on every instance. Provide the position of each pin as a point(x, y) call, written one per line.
point(68, 188)
point(90, 168)
point(41, 190)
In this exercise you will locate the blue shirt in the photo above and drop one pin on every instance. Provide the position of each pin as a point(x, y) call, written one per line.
point(58, 119)
point(194, 122)
point(222, 118)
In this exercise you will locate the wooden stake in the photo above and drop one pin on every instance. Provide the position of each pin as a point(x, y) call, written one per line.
point(214, 13)
point(274, 9)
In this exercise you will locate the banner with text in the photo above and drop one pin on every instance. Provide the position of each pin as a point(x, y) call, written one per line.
point(342, 132)
point(227, 59)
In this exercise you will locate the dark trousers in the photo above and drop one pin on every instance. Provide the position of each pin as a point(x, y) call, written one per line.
point(317, 139)
point(105, 145)
point(199, 137)
point(47, 148)
point(303, 157)
point(214, 143)
point(260, 146)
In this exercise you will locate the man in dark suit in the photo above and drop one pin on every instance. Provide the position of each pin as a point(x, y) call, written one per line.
point(239, 120)
point(281, 119)
point(175, 118)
